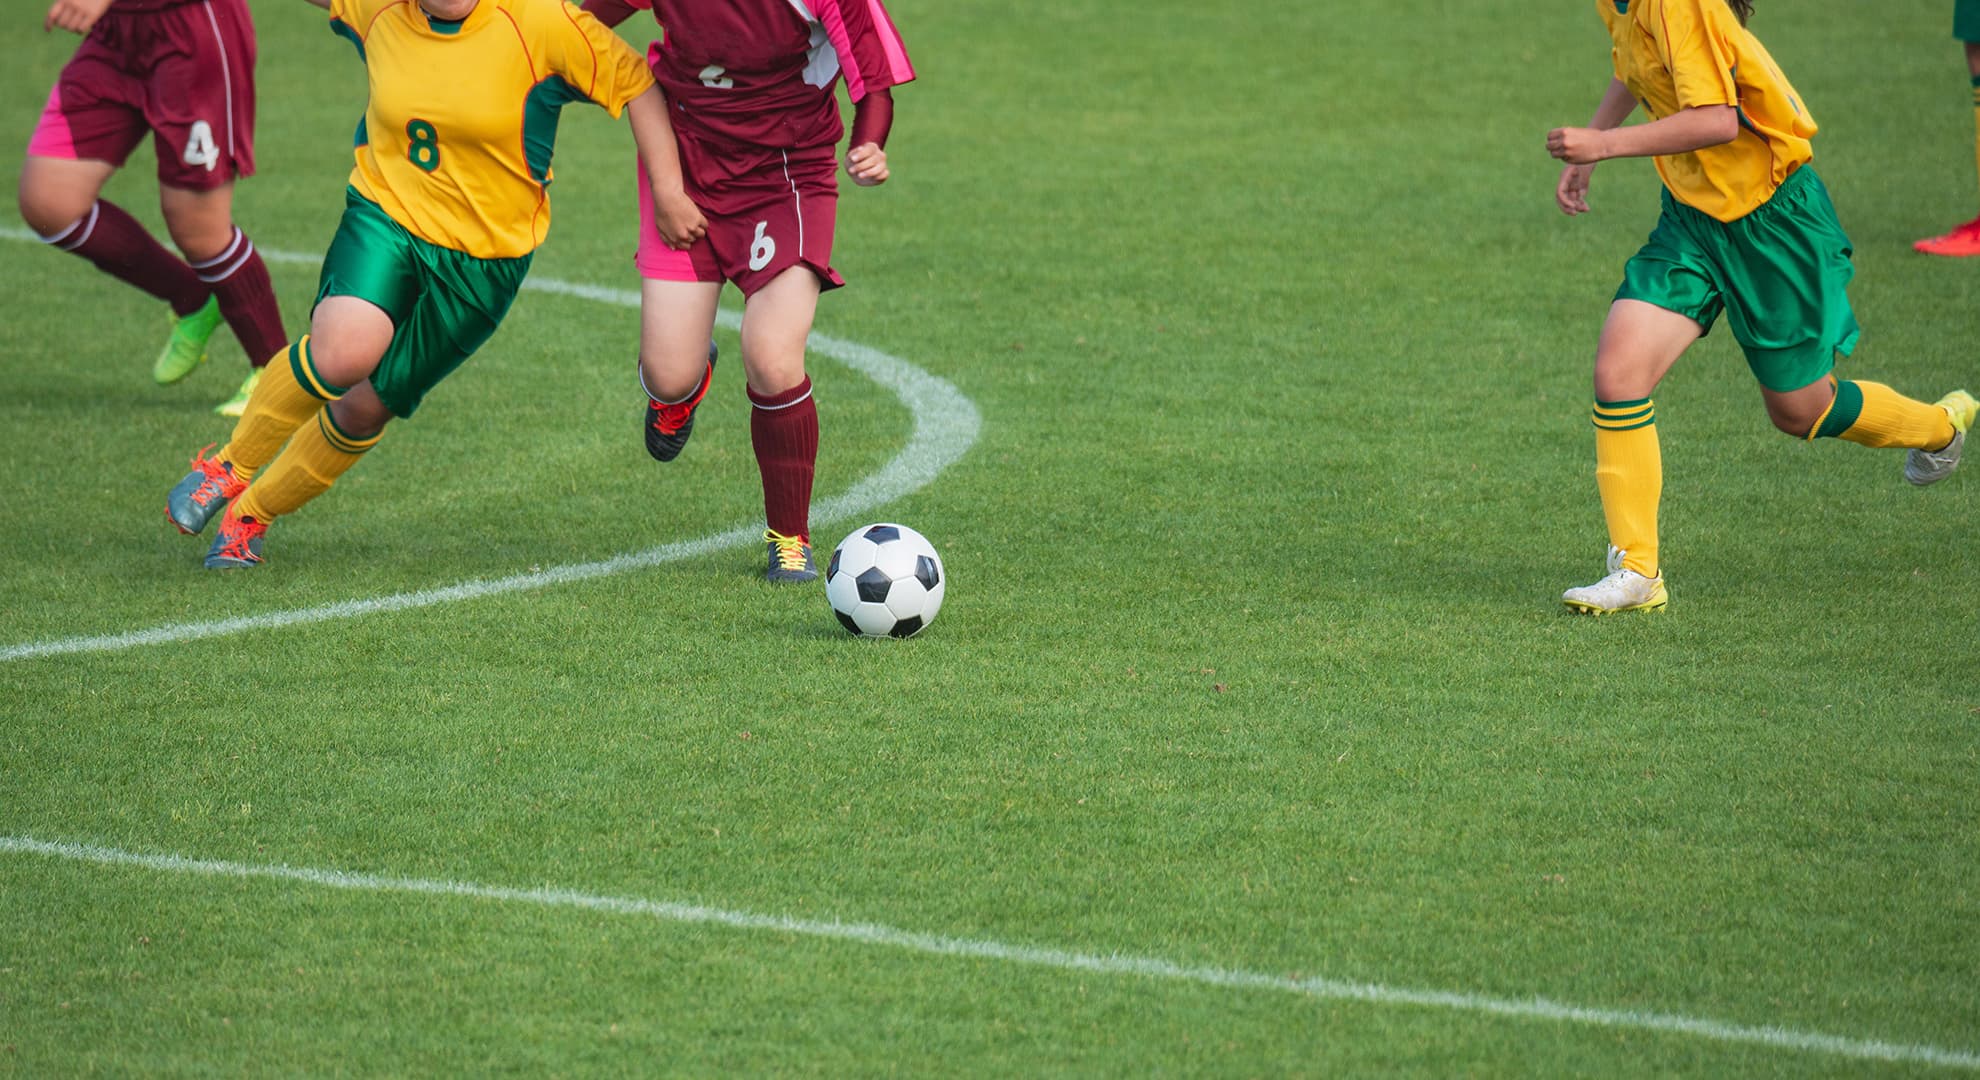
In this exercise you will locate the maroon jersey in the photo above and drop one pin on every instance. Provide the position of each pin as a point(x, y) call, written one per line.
point(126, 7)
point(760, 72)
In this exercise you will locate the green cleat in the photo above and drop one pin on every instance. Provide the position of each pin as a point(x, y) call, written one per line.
point(186, 349)
point(236, 405)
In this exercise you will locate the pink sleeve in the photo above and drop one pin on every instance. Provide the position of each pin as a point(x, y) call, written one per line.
point(870, 50)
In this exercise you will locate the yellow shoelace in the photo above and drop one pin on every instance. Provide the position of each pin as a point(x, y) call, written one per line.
point(790, 549)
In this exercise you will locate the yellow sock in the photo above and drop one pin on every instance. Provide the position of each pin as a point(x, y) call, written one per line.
point(1888, 418)
point(1629, 472)
point(289, 393)
point(314, 459)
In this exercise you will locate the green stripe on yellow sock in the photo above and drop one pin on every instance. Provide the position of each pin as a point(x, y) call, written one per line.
point(1624, 415)
point(303, 366)
point(338, 438)
point(312, 461)
point(285, 396)
point(1888, 418)
point(1842, 412)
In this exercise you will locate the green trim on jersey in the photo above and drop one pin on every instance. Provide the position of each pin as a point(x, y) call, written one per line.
point(344, 30)
point(444, 304)
point(541, 110)
point(1780, 275)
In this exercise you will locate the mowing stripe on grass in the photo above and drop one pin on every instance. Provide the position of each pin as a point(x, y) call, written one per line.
point(1535, 1008)
point(945, 426)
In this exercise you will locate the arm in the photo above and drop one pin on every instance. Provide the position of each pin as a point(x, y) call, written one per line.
point(873, 117)
point(680, 222)
point(1681, 132)
point(76, 16)
point(609, 12)
point(1581, 148)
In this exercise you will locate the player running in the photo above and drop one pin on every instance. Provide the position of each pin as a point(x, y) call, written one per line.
point(1746, 229)
point(1964, 240)
point(447, 201)
point(751, 88)
point(183, 71)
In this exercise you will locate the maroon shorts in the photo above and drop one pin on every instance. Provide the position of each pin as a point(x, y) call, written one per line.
point(185, 74)
point(767, 210)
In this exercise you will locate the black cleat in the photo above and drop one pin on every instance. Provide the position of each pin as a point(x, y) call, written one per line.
point(668, 425)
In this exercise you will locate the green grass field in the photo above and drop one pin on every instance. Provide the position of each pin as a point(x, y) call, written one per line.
point(1252, 738)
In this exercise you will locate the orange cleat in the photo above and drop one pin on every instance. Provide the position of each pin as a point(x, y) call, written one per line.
point(1961, 242)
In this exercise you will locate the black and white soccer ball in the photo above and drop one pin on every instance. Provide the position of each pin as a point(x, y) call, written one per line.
point(885, 581)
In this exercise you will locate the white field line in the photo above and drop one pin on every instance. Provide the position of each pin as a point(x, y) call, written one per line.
point(1148, 967)
point(945, 426)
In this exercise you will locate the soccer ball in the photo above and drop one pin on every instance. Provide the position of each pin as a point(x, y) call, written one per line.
point(885, 581)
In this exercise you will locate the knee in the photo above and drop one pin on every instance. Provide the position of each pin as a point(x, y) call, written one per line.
point(672, 378)
point(359, 414)
point(48, 209)
point(199, 237)
point(1793, 419)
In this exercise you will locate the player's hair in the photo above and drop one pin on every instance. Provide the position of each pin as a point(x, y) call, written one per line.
point(1741, 8)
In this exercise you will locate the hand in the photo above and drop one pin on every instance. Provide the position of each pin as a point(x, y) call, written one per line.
point(1578, 146)
point(867, 164)
point(680, 221)
point(1572, 192)
point(76, 16)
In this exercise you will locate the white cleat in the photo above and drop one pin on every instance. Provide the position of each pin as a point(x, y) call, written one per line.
point(1923, 467)
point(1622, 590)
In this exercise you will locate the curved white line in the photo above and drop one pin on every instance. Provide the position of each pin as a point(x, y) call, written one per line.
point(1147, 967)
point(945, 426)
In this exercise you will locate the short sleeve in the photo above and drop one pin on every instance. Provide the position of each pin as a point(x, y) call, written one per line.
point(1694, 41)
point(597, 62)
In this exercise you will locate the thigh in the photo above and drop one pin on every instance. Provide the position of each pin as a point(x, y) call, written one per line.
point(56, 193)
point(199, 95)
point(201, 221)
point(95, 112)
point(1640, 342)
point(675, 319)
point(776, 321)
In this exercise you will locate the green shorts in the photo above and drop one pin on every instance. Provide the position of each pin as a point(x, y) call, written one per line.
point(1966, 20)
point(444, 304)
point(1781, 274)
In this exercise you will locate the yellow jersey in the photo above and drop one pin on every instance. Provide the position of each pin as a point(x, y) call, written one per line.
point(455, 142)
point(1685, 54)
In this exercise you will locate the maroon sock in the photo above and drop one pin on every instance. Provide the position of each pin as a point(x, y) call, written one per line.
point(247, 298)
point(784, 429)
point(124, 249)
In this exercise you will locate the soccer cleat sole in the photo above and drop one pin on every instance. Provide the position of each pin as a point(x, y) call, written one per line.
point(1655, 603)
